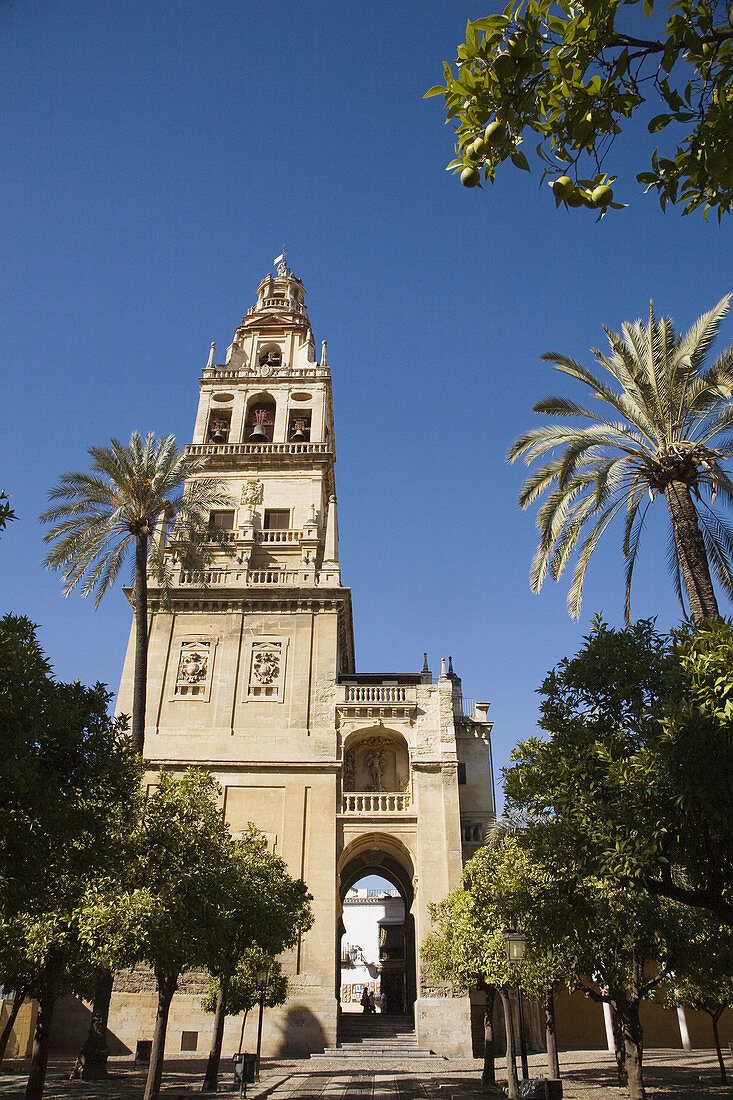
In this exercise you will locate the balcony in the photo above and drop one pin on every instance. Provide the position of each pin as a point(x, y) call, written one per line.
point(367, 804)
point(281, 536)
point(370, 693)
point(365, 700)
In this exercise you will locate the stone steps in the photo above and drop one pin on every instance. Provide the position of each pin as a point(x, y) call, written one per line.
point(376, 1042)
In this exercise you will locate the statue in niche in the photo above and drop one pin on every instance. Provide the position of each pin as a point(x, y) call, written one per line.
point(376, 765)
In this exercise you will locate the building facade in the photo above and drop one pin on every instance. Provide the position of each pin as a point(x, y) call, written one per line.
point(252, 676)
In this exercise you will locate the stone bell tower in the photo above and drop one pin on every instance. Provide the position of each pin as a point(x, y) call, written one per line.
point(252, 676)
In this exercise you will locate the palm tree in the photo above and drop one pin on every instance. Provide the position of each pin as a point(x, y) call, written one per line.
point(114, 510)
point(672, 433)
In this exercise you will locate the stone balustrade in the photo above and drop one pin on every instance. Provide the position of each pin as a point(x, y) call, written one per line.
point(376, 803)
point(282, 536)
point(201, 450)
point(368, 693)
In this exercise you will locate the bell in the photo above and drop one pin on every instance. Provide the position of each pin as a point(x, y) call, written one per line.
point(298, 436)
point(259, 435)
point(218, 436)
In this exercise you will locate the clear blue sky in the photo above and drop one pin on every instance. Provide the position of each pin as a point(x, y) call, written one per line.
point(153, 160)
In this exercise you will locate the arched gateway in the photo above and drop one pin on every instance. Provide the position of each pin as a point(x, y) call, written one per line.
point(252, 676)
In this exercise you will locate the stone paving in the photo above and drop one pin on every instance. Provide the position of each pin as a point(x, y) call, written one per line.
point(587, 1075)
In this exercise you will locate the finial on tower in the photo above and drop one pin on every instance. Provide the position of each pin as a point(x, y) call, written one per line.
point(323, 354)
point(212, 350)
point(425, 663)
point(281, 263)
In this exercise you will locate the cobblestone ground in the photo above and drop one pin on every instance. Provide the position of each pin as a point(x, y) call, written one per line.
point(587, 1075)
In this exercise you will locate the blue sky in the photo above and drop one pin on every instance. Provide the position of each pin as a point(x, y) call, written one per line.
point(155, 157)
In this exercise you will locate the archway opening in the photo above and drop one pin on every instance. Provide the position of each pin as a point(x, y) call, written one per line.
point(376, 934)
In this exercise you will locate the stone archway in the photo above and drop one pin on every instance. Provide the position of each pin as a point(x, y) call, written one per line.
point(379, 854)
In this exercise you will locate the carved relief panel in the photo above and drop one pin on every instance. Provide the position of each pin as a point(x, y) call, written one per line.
point(266, 669)
point(194, 664)
point(377, 764)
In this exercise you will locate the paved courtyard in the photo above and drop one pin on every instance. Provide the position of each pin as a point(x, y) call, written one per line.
point(587, 1075)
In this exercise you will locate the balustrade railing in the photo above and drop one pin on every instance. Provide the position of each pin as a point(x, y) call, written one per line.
point(198, 450)
point(281, 536)
point(272, 576)
point(376, 803)
point(375, 694)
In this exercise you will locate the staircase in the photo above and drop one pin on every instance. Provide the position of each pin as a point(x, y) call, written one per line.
point(381, 1042)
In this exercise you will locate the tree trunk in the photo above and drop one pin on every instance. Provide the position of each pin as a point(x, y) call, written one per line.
point(140, 673)
point(619, 1049)
point(91, 1064)
point(715, 1016)
point(167, 984)
point(488, 1074)
point(691, 554)
point(634, 1047)
point(18, 998)
point(241, 1034)
point(512, 1081)
point(553, 1062)
point(211, 1079)
point(39, 1058)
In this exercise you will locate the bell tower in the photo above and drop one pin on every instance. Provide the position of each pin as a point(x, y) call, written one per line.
point(251, 675)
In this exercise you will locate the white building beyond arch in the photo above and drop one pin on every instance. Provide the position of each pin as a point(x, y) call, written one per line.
point(345, 772)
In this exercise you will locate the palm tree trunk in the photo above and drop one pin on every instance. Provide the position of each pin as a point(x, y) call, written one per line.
point(42, 1033)
point(91, 1064)
point(167, 985)
point(18, 998)
point(211, 1079)
point(140, 673)
point(512, 1081)
point(553, 1062)
point(691, 555)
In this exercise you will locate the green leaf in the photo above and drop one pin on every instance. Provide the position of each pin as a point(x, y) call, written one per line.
point(520, 161)
point(659, 122)
point(437, 89)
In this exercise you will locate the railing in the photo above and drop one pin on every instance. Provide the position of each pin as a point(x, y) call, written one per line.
point(281, 536)
point(376, 803)
point(213, 374)
point(223, 537)
point(202, 449)
point(273, 576)
point(369, 694)
point(276, 303)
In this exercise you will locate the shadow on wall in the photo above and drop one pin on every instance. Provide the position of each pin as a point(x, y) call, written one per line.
point(70, 1028)
point(301, 1034)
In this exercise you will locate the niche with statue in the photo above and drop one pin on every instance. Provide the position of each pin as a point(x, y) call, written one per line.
point(377, 764)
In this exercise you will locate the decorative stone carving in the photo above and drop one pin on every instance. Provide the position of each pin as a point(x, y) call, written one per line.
point(266, 666)
point(253, 493)
point(266, 669)
point(192, 673)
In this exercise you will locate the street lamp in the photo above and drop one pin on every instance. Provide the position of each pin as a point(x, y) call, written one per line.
point(516, 947)
point(262, 975)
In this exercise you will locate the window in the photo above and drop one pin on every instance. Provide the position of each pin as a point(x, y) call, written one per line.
point(461, 775)
point(277, 519)
point(221, 521)
point(189, 1040)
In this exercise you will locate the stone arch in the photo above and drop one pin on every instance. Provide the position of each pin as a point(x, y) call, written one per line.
point(380, 853)
point(261, 410)
point(376, 759)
